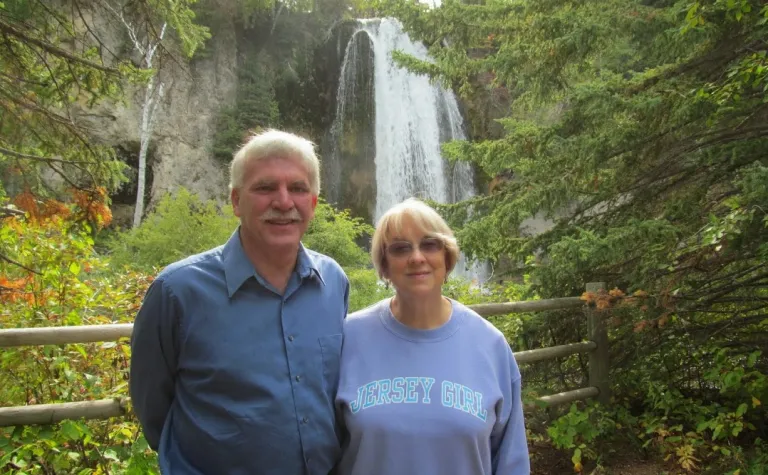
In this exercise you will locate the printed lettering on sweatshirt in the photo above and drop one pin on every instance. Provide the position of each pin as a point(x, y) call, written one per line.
point(418, 390)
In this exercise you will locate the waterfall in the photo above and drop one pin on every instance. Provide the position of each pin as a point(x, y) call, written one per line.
point(411, 118)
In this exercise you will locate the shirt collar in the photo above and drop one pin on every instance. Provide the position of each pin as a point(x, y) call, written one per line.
point(238, 268)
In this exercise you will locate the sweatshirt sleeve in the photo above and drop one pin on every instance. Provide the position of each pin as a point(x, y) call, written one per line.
point(154, 360)
point(509, 445)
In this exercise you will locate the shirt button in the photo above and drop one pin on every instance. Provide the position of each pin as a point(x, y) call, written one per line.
point(290, 338)
point(298, 378)
point(305, 420)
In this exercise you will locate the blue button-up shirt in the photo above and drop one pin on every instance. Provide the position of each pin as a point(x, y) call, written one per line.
point(228, 376)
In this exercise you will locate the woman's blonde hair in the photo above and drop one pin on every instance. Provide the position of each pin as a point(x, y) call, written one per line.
point(425, 218)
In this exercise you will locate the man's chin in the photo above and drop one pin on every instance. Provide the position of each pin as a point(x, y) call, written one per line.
point(283, 240)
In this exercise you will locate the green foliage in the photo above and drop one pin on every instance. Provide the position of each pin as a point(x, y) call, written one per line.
point(71, 285)
point(578, 430)
point(336, 233)
point(254, 109)
point(365, 288)
point(699, 430)
point(181, 225)
point(180, 16)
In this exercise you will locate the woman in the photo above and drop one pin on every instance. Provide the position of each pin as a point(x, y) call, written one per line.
point(427, 386)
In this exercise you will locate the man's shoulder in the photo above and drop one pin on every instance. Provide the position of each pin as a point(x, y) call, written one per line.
point(181, 270)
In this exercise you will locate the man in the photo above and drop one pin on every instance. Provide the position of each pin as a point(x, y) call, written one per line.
point(235, 351)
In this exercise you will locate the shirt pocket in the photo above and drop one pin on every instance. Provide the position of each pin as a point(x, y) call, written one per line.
point(330, 349)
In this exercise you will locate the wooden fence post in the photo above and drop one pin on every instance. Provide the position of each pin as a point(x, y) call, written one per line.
point(598, 358)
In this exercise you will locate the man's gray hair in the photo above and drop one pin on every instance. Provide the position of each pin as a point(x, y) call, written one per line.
point(275, 144)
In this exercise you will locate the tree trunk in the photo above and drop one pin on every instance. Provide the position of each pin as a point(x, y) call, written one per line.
point(152, 98)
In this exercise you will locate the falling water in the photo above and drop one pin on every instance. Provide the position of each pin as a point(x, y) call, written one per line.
point(412, 118)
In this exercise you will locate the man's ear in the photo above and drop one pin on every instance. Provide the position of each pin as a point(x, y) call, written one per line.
point(234, 197)
point(314, 202)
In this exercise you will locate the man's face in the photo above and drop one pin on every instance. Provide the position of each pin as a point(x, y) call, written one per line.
point(274, 203)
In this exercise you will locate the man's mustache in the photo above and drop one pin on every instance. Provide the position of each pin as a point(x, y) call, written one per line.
point(273, 214)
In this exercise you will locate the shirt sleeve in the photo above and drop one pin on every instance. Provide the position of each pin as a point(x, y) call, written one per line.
point(509, 445)
point(154, 360)
point(346, 297)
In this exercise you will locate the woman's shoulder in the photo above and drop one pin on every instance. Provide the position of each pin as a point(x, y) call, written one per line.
point(365, 316)
point(479, 326)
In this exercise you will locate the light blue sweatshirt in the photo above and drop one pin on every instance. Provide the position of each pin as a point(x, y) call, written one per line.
point(444, 401)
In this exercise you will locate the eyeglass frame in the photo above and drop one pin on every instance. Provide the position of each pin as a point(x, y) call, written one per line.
point(409, 247)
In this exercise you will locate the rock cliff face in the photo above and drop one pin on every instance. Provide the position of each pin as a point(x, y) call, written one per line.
point(181, 151)
point(180, 148)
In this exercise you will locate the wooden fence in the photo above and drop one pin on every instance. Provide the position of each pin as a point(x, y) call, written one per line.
point(40, 414)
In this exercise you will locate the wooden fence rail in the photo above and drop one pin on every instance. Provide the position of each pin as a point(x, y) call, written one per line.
point(112, 332)
point(41, 414)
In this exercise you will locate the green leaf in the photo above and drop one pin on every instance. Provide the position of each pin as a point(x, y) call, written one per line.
point(70, 430)
point(110, 454)
point(752, 359)
point(74, 268)
point(81, 351)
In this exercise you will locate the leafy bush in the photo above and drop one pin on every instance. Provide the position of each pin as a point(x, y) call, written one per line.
point(365, 288)
point(335, 233)
point(181, 225)
point(64, 282)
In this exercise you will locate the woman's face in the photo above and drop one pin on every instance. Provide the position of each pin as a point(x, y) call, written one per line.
point(415, 262)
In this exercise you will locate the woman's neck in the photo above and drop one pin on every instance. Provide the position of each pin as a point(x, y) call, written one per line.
point(421, 312)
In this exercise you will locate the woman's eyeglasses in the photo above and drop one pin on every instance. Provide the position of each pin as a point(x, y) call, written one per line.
point(405, 248)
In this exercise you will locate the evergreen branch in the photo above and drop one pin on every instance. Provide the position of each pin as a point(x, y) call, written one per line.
point(12, 79)
point(665, 169)
point(65, 177)
point(71, 128)
point(35, 133)
point(34, 107)
point(62, 94)
point(57, 17)
point(55, 50)
point(725, 290)
point(732, 275)
point(38, 158)
point(723, 325)
point(720, 57)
